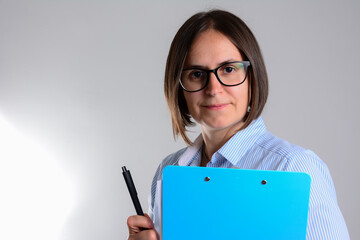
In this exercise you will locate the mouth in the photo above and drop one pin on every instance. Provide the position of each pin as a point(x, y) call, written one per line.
point(215, 106)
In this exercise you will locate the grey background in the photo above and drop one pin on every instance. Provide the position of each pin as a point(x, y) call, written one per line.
point(83, 79)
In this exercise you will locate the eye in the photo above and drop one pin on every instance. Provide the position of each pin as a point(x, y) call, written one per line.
point(229, 69)
point(197, 74)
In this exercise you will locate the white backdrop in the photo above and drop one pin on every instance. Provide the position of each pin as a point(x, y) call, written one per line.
point(81, 95)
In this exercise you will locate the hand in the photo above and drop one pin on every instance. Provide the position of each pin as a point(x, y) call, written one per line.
point(141, 228)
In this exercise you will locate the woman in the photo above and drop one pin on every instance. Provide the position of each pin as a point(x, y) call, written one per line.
point(215, 75)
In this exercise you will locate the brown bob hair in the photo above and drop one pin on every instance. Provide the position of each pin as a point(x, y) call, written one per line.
point(241, 36)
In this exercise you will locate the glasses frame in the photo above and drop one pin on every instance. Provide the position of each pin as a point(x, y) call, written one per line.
point(207, 71)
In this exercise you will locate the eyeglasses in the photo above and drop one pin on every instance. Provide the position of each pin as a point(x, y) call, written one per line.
point(229, 74)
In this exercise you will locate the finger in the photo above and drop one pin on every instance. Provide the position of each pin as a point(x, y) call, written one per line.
point(146, 215)
point(137, 223)
point(146, 234)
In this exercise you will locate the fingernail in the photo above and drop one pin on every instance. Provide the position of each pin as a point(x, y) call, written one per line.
point(151, 224)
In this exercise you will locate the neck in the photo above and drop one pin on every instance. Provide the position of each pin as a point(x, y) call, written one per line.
point(215, 139)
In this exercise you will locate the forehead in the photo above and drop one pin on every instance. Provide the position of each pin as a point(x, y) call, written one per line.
point(211, 48)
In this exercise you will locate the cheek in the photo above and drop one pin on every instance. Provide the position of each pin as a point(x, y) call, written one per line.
point(240, 95)
point(191, 101)
point(189, 98)
point(245, 94)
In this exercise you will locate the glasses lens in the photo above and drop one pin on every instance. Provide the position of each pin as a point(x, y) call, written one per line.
point(193, 79)
point(232, 73)
point(229, 74)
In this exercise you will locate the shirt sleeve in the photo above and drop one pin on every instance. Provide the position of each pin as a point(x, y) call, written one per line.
point(154, 203)
point(151, 197)
point(325, 220)
point(154, 198)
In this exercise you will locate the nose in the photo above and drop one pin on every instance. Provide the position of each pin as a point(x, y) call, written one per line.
point(214, 86)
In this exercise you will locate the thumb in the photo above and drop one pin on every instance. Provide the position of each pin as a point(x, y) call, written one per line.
point(148, 217)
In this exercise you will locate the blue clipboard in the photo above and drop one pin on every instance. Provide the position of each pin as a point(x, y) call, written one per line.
point(222, 203)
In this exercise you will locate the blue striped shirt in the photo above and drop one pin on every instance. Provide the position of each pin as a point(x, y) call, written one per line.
point(256, 148)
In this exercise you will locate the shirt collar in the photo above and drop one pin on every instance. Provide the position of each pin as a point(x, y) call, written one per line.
point(233, 150)
point(237, 146)
point(191, 152)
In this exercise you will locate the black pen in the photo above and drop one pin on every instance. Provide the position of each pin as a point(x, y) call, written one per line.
point(132, 191)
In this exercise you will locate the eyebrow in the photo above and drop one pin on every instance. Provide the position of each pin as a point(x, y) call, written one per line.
point(204, 67)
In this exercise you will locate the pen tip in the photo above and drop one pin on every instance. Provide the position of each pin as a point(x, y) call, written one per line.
point(124, 169)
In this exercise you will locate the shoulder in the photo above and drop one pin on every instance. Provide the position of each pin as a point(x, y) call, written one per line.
point(275, 145)
point(171, 159)
point(296, 159)
point(299, 159)
point(325, 217)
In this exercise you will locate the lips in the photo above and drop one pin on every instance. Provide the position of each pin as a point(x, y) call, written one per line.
point(215, 106)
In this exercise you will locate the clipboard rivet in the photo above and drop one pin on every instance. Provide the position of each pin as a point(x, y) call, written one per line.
point(207, 179)
point(263, 182)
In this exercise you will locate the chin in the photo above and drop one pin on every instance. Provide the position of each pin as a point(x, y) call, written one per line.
point(221, 125)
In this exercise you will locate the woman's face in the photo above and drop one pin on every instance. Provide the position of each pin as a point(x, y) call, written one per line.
point(216, 107)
